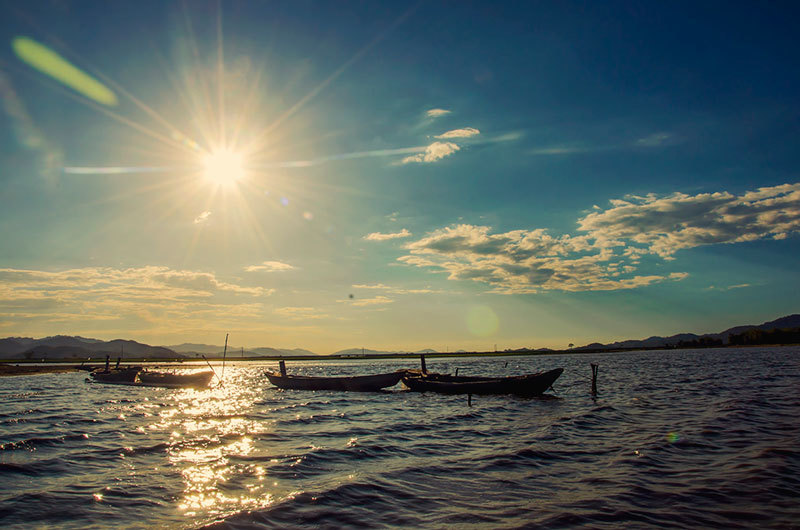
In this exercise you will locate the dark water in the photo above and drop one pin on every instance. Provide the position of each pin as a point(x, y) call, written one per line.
point(676, 439)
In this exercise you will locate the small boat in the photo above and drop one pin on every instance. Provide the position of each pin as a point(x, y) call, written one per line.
point(168, 380)
point(135, 376)
point(525, 385)
point(359, 383)
point(118, 376)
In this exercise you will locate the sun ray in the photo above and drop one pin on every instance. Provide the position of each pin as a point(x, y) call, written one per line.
point(220, 76)
point(114, 170)
point(258, 138)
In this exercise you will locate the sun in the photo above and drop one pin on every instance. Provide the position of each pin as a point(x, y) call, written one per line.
point(223, 167)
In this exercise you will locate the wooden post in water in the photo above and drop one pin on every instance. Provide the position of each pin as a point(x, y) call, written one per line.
point(224, 353)
point(422, 361)
point(469, 399)
point(282, 366)
point(594, 379)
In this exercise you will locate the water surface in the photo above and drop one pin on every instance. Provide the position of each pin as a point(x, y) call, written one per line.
point(675, 439)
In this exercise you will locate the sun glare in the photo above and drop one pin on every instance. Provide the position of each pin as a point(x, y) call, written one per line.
point(223, 167)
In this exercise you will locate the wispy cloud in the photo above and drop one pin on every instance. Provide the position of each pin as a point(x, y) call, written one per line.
point(300, 313)
point(377, 236)
point(559, 150)
point(363, 302)
point(606, 254)
point(202, 218)
point(143, 282)
point(655, 140)
point(728, 288)
point(26, 132)
point(435, 151)
point(466, 132)
point(270, 266)
point(153, 296)
point(396, 290)
point(436, 113)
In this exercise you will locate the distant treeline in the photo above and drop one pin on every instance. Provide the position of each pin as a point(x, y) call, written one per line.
point(773, 336)
point(751, 337)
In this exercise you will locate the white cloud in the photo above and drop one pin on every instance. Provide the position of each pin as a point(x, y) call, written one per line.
point(377, 236)
point(435, 151)
point(606, 254)
point(466, 132)
point(522, 261)
point(203, 217)
point(436, 113)
point(664, 225)
point(269, 266)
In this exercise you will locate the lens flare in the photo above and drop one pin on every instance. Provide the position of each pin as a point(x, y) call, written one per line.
point(482, 321)
point(48, 62)
point(673, 437)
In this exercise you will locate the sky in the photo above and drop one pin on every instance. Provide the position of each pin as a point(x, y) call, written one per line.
point(398, 175)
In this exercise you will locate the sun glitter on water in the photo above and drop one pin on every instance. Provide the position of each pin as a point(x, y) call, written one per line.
point(223, 167)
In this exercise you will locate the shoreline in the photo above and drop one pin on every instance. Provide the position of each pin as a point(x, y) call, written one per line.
point(8, 370)
point(13, 367)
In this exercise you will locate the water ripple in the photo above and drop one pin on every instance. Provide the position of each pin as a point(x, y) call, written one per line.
point(677, 439)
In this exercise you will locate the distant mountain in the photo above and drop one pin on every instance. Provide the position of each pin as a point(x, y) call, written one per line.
point(275, 352)
point(722, 338)
point(208, 349)
point(367, 351)
point(63, 346)
point(205, 349)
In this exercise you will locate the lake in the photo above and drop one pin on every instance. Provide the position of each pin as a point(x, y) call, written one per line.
point(681, 438)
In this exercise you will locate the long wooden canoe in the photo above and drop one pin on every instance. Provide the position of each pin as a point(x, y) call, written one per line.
point(116, 375)
point(359, 383)
point(135, 376)
point(526, 385)
point(168, 380)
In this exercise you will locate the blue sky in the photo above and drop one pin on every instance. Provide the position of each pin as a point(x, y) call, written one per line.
point(446, 175)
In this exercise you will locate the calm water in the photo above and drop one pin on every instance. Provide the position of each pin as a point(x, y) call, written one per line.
point(675, 439)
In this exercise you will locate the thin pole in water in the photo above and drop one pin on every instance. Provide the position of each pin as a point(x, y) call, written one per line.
point(594, 379)
point(224, 352)
point(212, 369)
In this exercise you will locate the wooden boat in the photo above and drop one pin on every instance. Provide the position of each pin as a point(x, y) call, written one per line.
point(168, 380)
point(135, 376)
point(359, 383)
point(125, 375)
point(525, 385)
